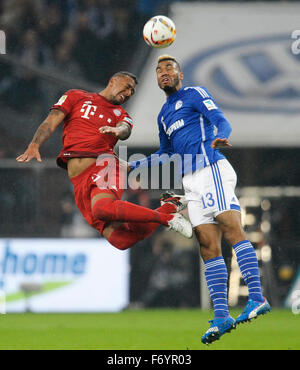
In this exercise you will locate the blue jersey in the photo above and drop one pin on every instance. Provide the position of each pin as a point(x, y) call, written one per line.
point(188, 123)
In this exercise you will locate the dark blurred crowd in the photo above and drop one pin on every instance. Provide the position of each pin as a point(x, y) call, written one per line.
point(84, 38)
point(81, 39)
point(72, 40)
point(89, 38)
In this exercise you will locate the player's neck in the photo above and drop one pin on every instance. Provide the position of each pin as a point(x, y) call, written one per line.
point(173, 91)
point(105, 94)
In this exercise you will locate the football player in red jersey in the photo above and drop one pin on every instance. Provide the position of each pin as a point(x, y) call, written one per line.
point(92, 125)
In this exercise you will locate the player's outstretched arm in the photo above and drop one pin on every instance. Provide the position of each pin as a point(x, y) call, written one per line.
point(44, 131)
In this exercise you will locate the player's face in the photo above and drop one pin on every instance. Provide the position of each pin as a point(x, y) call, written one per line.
point(122, 88)
point(169, 76)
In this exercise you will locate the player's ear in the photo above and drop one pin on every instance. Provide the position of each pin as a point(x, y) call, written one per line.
point(181, 76)
point(111, 81)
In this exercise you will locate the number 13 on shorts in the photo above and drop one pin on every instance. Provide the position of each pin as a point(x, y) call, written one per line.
point(207, 200)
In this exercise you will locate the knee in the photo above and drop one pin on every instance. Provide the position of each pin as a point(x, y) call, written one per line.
point(103, 209)
point(119, 242)
point(210, 250)
point(118, 236)
point(234, 234)
point(122, 245)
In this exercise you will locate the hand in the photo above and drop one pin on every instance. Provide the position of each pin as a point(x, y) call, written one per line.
point(31, 152)
point(110, 130)
point(124, 165)
point(220, 143)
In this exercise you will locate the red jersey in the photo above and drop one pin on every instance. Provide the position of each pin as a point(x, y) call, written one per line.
point(85, 113)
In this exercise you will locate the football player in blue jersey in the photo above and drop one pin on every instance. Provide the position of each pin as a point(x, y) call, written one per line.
point(186, 124)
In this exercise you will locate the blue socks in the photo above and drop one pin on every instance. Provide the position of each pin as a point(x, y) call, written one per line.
point(247, 261)
point(216, 278)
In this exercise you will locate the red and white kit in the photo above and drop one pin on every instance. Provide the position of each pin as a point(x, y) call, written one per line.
point(86, 113)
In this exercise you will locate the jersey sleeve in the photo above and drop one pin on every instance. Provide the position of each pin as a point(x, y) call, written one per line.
point(156, 158)
point(125, 117)
point(66, 101)
point(204, 103)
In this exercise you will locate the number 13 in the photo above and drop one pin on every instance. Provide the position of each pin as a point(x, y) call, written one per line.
point(208, 200)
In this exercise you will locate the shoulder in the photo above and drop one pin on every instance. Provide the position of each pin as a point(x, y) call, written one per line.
point(121, 109)
point(120, 112)
point(69, 99)
point(76, 93)
point(161, 113)
point(164, 108)
point(122, 115)
point(197, 91)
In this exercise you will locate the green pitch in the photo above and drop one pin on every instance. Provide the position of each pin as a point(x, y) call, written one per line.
point(145, 330)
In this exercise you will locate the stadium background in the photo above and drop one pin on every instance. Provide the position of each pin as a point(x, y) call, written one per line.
point(52, 46)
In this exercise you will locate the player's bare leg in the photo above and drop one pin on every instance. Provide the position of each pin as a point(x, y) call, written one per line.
point(209, 237)
point(231, 225)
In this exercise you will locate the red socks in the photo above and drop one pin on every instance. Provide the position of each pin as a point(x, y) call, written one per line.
point(129, 234)
point(108, 209)
point(122, 238)
point(148, 228)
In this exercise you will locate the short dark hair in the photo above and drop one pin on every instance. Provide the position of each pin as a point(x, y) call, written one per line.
point(168, 57)
point(125, 73)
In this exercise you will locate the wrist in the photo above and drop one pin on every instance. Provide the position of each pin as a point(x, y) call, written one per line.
point(131, 166)
point(34, 145)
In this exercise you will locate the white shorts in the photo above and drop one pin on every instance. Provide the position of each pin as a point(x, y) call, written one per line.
point(210, 192)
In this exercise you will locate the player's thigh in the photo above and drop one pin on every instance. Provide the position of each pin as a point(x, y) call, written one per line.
point(230, 223)
point(207, 230)
point(208, 235)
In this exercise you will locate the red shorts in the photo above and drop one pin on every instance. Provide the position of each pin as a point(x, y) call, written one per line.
point(100, 177)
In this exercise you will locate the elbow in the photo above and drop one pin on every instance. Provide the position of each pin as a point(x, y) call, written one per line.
point(123, 138)
point(229, 129)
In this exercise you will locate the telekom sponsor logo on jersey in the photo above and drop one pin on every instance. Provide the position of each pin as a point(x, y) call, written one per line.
point(88, 110)
point(251, 75)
